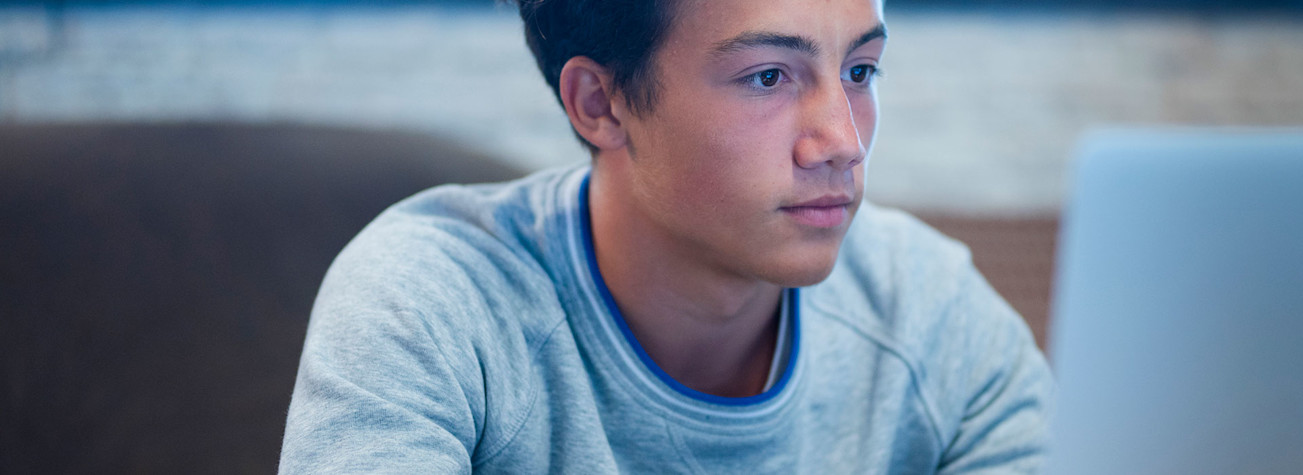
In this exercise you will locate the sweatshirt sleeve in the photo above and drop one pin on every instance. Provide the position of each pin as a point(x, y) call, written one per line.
point(391, 379)
point(376, 394)
point(1003, 390)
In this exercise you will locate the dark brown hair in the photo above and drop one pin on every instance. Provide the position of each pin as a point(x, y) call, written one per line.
point(620, 35)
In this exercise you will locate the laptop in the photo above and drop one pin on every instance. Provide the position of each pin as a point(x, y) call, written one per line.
point(1177, 335)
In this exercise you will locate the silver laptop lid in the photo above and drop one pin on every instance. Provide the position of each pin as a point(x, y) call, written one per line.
point(1177, 330)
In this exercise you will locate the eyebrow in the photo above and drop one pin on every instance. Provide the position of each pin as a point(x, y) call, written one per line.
point(878, 31)
point(758, 39)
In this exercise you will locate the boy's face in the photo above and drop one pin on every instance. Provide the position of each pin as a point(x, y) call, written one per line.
point(752, 159)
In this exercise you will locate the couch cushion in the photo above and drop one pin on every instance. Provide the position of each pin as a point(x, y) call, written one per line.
point(157, 280)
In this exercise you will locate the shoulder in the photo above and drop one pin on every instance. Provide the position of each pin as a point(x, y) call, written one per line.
point(909, 289)
point(899, 280)
point(461, 259)
point(438, 302)
point(435, 305)
point(894, 265)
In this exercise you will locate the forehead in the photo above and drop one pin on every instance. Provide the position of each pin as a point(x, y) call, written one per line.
point(699, 25)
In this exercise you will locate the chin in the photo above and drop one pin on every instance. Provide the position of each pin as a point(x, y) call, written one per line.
point(803, 269)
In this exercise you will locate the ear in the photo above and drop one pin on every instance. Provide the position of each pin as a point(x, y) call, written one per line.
point(586, 92)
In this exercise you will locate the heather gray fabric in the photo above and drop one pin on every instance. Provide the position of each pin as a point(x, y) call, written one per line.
point(463, 331)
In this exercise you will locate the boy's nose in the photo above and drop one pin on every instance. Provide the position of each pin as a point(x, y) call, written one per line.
point(831, 135)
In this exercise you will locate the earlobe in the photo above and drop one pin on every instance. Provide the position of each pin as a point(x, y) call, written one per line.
point(586, 92)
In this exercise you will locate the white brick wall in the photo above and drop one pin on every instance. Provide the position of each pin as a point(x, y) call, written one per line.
point(980, 110)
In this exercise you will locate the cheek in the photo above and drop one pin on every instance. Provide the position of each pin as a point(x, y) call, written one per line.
point(704, 183)
point(743, 163)
point(723, 157)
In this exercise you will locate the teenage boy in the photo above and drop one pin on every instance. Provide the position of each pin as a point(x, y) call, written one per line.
point(709, 295)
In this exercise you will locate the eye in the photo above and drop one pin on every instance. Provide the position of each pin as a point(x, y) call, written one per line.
point(860, 73)
point(766, 79)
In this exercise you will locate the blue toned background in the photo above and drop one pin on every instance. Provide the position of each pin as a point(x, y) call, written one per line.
point(175, 177)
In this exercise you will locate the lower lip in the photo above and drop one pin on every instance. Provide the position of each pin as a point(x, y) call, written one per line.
point(818, 216)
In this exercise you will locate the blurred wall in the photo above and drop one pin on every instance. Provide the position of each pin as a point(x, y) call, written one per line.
point(981, 111)
point(980, 108)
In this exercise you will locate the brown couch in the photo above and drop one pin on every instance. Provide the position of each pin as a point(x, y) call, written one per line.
point(157, 280)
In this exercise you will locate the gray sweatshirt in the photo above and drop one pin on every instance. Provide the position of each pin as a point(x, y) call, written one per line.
point(467, 329)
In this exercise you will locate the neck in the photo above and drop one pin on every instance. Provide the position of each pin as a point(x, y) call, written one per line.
point(709, 330)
